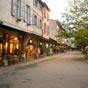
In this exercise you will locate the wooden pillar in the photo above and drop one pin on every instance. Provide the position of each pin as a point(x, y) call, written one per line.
point(3, 45)
point(24, 40)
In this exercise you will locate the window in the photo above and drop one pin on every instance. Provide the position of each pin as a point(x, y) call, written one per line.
point(23, 9)
point(47, 17)
point(16, 9)
point(13, 9)
point(35, 2)
point(40, 8)
point(47, 30)
point(27, 14)
point(40, 24)
point(44, 28)
point(44, 13)
point(35, 20)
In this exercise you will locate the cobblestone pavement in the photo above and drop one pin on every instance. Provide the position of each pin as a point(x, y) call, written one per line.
point(66, 70)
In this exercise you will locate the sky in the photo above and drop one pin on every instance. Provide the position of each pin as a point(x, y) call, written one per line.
point(56, 7)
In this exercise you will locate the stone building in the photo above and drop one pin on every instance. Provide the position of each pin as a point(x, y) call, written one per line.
point(24, 28)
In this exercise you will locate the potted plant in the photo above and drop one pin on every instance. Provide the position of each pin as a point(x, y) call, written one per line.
point(21, 58)
point(10, 59)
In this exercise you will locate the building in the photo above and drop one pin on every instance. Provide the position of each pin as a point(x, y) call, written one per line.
point(52, 34)
point(55, 33)
point(24, 28)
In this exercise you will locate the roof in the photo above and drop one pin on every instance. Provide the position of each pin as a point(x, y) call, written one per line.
point(44, 4)
point(59, 24)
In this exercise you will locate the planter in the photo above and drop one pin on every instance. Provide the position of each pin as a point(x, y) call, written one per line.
point(16, 59)
point(10, 59)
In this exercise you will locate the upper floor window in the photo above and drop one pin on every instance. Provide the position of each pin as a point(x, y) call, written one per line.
point(35, 20)
point(44, 13)
point(27, 15)
point(16, 9)
point(18, 14)
point(39, 23)
point(44, 28)
point(47, 30)
point(23, 9)
point(47, 17)
point(35, 2)
point(40, 7)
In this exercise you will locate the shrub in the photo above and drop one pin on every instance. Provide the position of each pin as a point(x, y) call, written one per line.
point(86, 56)
point(10, 58)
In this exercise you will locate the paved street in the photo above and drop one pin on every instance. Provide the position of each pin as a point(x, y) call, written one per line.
point(65, 70)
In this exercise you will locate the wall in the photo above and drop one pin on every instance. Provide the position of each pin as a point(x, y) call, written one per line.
point(46, 21)
point(52, 28)
point(5, 16)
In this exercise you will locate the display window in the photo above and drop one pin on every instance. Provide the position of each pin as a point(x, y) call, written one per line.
point(14, 44)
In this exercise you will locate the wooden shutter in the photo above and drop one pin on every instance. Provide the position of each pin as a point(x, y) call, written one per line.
point(23, 9)
point(28, 15)
point(32, 19)
point(13, 9)
point(18, 12)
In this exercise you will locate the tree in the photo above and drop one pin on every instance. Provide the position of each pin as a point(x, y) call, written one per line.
point(76, 18)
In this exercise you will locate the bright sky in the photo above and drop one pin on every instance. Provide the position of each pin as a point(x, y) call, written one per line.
point(56, 7)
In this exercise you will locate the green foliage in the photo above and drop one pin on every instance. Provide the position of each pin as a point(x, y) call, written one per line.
point(66, 34)
point(76, 19)
point(86, 56)
point(10, 58)
point(76, 15)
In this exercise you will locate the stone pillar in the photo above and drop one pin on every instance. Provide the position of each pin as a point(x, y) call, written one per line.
point(24, 41)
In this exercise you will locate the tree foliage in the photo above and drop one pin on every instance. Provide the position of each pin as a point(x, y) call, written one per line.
point(76, 18)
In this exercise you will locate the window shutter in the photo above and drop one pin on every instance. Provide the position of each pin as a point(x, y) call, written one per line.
point(33, 19)
point(18, 12)
point(28, 15)
point(13, 9)
point(37, 22)
point(23, 9)
point(47, 30)
point(40, 23)
point(33, 2)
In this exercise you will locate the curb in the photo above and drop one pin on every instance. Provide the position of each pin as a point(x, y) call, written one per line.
point(20, 65)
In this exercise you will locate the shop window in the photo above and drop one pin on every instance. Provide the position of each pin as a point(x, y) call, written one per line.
point(14, 45)
point(0, 49)
point(14, 48)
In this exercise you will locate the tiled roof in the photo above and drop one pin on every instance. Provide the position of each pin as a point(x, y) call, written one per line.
point(44, 4)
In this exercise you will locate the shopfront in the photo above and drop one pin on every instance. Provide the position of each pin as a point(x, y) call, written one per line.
point(30, 50)
point(9, 44)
